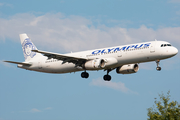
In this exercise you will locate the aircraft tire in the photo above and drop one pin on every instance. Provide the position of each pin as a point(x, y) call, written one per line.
point(158, 68)
point(107, 77)
point(84, 75)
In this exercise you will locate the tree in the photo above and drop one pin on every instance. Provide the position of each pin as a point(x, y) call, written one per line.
point(164, 109)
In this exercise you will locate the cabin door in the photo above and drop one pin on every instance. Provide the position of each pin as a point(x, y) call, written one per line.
point(152, 47)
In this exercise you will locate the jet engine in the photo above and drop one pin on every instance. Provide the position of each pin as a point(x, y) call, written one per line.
point(127, 69)
point(94, 64)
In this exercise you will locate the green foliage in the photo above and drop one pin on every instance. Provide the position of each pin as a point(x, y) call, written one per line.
point(164, 109)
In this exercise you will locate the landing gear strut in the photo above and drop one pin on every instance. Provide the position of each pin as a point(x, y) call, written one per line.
point(107, 77)
point(84, 74)
point(158, 68)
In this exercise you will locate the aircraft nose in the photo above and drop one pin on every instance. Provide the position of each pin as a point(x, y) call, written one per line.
point(175, 51)
point(172, 51)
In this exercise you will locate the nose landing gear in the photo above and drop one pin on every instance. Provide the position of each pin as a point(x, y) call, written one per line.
point(158, 68)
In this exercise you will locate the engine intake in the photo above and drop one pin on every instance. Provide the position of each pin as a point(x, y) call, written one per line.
point(127, 69)
point(94, 64)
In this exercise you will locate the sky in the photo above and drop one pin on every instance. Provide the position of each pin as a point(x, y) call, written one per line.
point(64, 26)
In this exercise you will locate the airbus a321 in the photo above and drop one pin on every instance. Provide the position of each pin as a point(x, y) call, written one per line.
point(124, 58)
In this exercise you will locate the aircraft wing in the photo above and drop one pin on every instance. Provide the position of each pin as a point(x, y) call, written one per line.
point(21, 63)
point(78, 61)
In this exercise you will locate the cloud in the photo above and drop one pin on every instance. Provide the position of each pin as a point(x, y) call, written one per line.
point(48, 108)
point(1, 4)
point(175, 1)
point(178, 12)
point(6, 5)
point(113, 85)
point(74, 33)
point(61, 34)
point(35, 110)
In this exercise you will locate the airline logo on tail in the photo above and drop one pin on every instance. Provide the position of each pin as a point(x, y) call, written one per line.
point(27, 46)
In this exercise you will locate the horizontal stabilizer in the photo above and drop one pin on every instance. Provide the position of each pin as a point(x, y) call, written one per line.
point(28, 64)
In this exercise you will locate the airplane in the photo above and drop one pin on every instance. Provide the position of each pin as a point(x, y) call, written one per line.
point(124, 58)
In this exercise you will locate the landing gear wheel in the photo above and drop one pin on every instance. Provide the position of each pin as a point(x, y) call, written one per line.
point(158, 68)
point(107, 77)
point(84, 75)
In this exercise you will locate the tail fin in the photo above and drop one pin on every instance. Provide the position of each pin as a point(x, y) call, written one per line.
point(27, 47)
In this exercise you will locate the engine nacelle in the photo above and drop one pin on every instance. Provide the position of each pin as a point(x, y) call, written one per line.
point(127, 69)
point(94, 64)
point(111, 62)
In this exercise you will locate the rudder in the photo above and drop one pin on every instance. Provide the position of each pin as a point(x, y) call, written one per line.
point(27, 47)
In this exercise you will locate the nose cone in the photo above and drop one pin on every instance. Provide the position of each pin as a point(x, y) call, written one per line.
point(174, 51)
point(169, 52)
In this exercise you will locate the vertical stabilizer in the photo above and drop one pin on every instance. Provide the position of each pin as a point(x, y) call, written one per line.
point(27, 47)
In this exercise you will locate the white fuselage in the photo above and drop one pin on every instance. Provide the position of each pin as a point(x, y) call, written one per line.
point(125, 54)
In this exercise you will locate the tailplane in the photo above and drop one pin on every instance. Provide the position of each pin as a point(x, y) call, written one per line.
point(27, 47)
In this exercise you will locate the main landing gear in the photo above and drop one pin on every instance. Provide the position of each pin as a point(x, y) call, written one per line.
point(158, 68)
point(84, 74)
point(107, 77)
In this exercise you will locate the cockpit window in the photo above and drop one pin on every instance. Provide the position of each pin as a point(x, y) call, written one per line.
point(164, 45)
